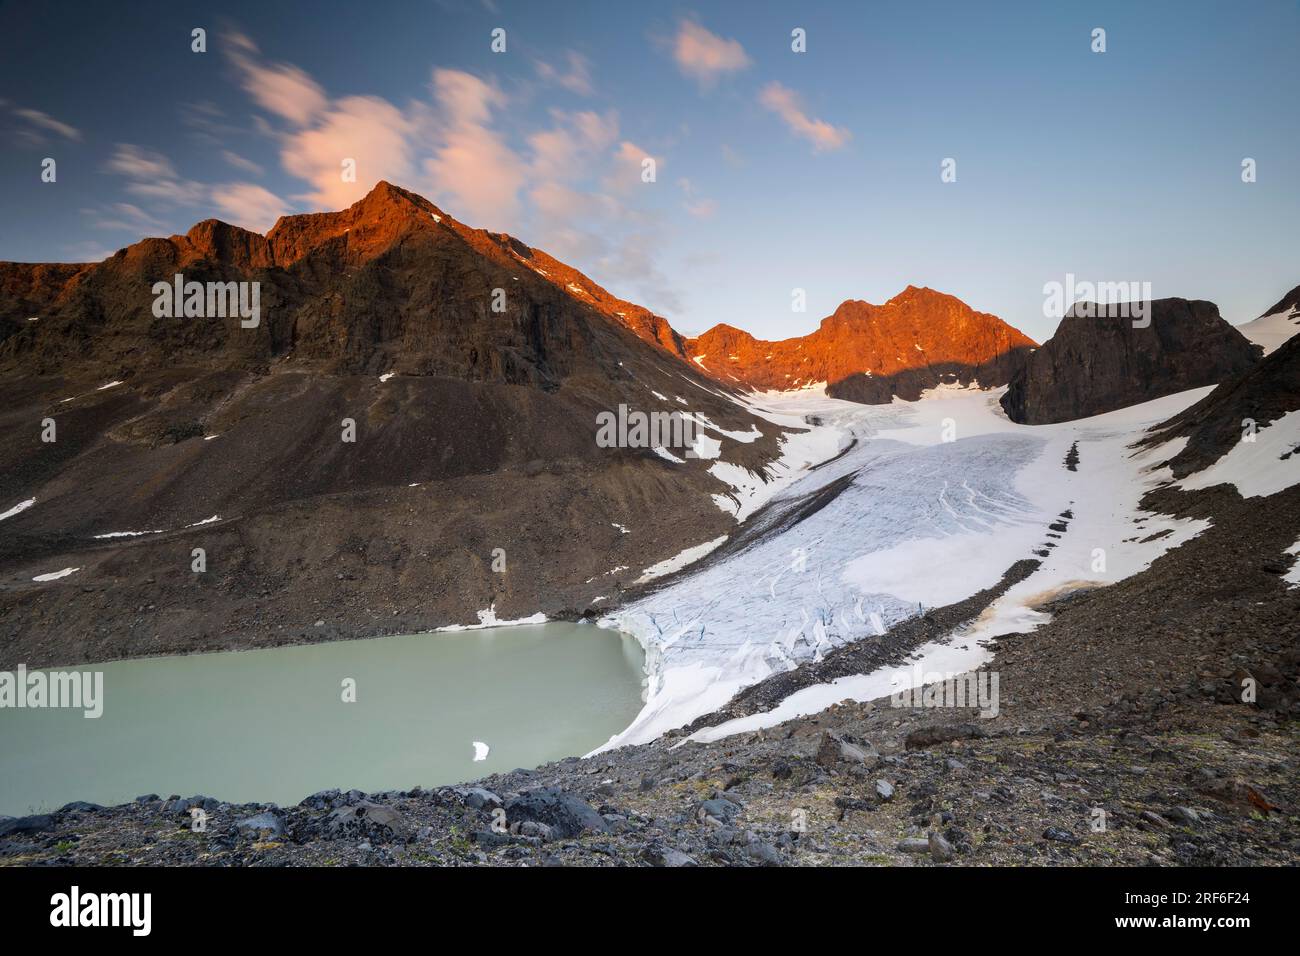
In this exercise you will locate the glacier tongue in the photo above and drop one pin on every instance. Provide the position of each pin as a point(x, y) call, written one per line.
point(931, 503)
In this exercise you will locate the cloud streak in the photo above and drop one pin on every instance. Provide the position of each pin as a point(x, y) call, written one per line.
point(784, 102)
point(49, 123)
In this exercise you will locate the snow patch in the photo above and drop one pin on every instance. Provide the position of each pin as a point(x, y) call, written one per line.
point(1272, 331)
point(18, 508)
point(1292, 577)
point(488, 618)
point(679, 560)
point(705, 446)
point(934, 658)
point(1257, 468)
point(55, 575)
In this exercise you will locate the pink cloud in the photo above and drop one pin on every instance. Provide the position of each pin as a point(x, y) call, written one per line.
point(629, 165)
point(784, 102)
point(705, 56)
point(471, 164)
point(569, 149)
point(281, 88)
point(366, 129)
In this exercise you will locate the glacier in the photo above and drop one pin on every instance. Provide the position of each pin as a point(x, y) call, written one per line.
point(878, 512)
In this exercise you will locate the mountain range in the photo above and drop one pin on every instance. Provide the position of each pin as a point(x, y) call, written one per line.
point(473, 368)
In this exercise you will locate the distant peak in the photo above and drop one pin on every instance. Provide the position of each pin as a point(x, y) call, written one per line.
point(920, 292)
point(386, 195)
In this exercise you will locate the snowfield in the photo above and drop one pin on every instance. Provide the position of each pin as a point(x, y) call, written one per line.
point(940, 497)
point(1272, 331)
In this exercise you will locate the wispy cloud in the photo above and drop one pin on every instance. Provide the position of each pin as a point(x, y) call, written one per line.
point(576, 78)
point(705, 56)
point(561, 152)
point(471, 162)
point(281, 88)
point(368, 130)
point(123, 217)
point(152, 175)
point(698, 206)
point(239, 162)
point(784, 102)
point(249, 205)
point(47, 122)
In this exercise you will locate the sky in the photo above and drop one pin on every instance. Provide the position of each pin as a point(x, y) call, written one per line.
point(774, 170)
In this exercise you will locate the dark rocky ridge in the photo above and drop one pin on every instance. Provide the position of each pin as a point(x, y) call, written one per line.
point(1288, 301)
point(1215, 424)
point(492, 418)
point(909, 384)
point(1097, 364)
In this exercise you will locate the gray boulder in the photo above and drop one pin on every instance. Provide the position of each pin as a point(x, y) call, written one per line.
point(263, 823)
point(834, 749)
point(566, 815)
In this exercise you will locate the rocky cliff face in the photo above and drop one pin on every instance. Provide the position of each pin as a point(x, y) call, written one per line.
point(1093, 365)
point(391, 283)
point(474, 431)
point(868, 353)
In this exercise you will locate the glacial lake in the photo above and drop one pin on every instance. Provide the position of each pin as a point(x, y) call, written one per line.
point(271, 725)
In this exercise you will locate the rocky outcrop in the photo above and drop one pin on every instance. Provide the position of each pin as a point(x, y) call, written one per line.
point(868, 353)
point(1215, 424)
point(910, 384)
point(1095, 364)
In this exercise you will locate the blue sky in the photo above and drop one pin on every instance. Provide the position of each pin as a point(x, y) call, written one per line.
point(775, 170)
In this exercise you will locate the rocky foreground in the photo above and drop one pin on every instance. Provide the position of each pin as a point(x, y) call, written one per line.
point(1181, 778)
point(1121, 738)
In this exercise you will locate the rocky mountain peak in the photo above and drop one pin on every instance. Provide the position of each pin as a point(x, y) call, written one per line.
point(927, 336)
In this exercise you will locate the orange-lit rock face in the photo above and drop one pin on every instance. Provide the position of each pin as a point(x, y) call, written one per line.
point(864, 352)
point(918, 328)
